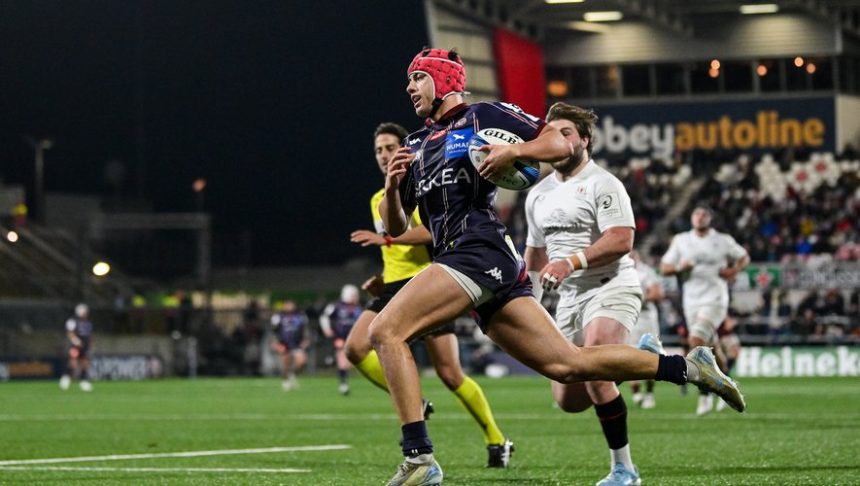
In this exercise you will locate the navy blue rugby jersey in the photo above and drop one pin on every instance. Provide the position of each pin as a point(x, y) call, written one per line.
point(290, 326)
point(82, 328)
point(343, 317)
point(453, 199)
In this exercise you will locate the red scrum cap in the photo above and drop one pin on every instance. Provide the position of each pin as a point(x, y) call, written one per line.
point(445, 68)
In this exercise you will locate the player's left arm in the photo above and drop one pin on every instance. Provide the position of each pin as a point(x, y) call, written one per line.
point(306, 335)
point(548, 146)
point(654, 292)
point(614, 217)
point(613, 244)
point(741, 260)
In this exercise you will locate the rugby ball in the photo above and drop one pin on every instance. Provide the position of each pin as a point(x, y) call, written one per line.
point(522, 175)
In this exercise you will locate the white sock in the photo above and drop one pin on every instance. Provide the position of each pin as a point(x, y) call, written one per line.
point(421, 459)
point(623, 456)
point(693, 374)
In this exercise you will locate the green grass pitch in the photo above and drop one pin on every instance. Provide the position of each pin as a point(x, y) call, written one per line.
point(797, 431)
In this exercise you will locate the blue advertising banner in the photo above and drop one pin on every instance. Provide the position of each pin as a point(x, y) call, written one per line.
point(660, 129)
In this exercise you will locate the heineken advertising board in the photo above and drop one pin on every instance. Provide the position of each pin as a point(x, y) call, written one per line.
point(788, 361)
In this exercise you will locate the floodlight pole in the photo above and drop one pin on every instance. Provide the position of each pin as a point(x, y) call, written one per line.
point(39, 178)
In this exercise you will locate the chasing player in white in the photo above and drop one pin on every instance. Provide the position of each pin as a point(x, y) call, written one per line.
point(706, 261)
point(580, 229)
point(648, 323)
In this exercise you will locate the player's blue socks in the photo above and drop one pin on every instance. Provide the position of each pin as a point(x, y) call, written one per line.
point(415, 439)
point(672, 368)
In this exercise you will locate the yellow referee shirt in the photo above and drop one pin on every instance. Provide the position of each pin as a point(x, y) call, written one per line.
point(399, 261)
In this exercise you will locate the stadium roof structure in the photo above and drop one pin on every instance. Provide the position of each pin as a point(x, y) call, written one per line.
point(532, 17)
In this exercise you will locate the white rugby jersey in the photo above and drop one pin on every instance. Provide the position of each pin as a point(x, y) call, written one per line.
point(567, 217)
point(709, 254)
point(647, 278)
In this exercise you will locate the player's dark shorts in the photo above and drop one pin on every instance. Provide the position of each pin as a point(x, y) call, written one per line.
point(342, 331)
point(82, 351)
point(488, 260)
point(388, 292)
point(292, 343)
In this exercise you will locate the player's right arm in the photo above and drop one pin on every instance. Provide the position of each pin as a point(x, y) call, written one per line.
point(536, 258)
point(374, 286)
point(70, 333)
point(419, 235)
point(325, 320)
point(669, 264)
point(535, 255)
point(392, 208)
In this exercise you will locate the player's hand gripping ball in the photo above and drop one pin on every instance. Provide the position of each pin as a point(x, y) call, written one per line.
point(522, 175)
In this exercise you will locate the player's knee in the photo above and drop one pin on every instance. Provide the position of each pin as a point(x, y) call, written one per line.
point(574, 404)
point(354, 352)
point(451, 376)
point(602, 391)
point(382, 331)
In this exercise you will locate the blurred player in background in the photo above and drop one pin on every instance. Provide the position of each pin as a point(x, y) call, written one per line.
point(79, 332)
point(648, 323)
point(403, 257)
point(336, 322)
point(475, 266)
point(706, 260)
point(580, 232)
point(290, 340)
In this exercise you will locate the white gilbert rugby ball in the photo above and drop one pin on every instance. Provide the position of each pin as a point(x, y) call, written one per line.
point(522, 175)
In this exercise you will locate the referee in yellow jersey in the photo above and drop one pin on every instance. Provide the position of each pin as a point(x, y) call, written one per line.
point(403, 257)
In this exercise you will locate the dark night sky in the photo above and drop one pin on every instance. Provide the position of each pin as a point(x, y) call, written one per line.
point(274, 102)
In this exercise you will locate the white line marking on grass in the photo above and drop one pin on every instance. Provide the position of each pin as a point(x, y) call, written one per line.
point(223, 452)
point(153, 469)
point(325, 417)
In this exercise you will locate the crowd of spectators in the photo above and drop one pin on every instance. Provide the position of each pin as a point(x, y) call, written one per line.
point(812, 209)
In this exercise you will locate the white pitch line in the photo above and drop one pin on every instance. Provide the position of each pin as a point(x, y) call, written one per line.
point(373, 417)
point(154, 469)
point(223, 452)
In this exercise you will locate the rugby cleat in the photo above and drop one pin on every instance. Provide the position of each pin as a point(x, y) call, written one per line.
point(649, 342)
point(343, 388)
point(705, 404)
point(65, 382)
point(648, 401)
point(712, 380)
point(499, 455)
point(411, 474)
point(85, 386)
point(621, 476)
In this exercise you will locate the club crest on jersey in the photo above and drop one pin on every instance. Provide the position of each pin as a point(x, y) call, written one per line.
point(461, 123)
point(457, 143)
point(438, 134)
point(441, 178)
